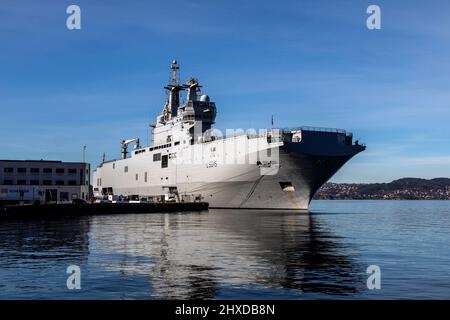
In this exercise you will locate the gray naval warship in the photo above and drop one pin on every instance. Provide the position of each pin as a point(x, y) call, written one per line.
point(188, 159)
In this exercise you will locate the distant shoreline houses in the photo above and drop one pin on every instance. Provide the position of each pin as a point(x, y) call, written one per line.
point(402, 189)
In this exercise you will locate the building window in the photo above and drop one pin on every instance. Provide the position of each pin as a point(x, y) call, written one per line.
point(59, 182)
point(137, 177)
point(34, 170)
point(125, 169)
point(47, 182)
point(8, 170)
point(72, 171)
point(63, 196)
point(157, 157)
point(114, 165)
point(34, 182)
point(8, 182)
point(21, 170)
point(165, 161)
point(145, 176)
point(51, 195)
point(47, 170)
point(21, 182)
point(59, 170)
point(72, 183)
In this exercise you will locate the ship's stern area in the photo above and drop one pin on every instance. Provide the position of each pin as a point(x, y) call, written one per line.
point(309, 157)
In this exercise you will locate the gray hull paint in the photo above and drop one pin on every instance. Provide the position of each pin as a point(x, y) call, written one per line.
point(302, 164)
point(302, 171)
point(305, 166)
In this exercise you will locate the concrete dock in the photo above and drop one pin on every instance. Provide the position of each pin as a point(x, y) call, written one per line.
point(65, 210)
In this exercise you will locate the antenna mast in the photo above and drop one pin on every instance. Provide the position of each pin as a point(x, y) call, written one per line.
point(175, 67)
point(174, 88)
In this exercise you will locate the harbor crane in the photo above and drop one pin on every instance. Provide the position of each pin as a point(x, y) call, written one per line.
point(125, 144)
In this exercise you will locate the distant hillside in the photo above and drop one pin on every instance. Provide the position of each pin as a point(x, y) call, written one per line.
point(401, 189)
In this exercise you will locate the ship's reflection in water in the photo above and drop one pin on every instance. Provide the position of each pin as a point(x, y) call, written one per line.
point(226, 254)
point(206, 255)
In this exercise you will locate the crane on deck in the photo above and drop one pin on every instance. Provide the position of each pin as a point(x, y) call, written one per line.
point(125, 144)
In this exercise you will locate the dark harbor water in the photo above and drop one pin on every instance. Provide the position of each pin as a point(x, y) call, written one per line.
point(229, 254)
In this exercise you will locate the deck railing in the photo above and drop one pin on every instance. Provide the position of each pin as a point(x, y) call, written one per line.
point(317, 129)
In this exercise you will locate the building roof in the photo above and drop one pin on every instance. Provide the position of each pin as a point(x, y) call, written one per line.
point(42, 161)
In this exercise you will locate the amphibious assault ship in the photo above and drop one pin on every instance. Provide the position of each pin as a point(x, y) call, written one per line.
point(188, 159)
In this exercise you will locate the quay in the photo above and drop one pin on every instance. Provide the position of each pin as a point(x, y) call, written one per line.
point(9, 212)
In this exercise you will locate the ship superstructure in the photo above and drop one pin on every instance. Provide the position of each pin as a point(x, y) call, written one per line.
point(270, 169)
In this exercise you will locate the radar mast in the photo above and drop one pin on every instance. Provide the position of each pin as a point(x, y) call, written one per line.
point(173, 103)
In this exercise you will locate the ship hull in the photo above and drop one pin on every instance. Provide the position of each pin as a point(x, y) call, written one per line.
point(301, 168)
point(304, 172)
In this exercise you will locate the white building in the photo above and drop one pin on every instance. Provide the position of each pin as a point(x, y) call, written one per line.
point(59, 181)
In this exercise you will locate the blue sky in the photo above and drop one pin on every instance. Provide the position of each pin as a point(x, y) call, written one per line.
point(307, 62)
